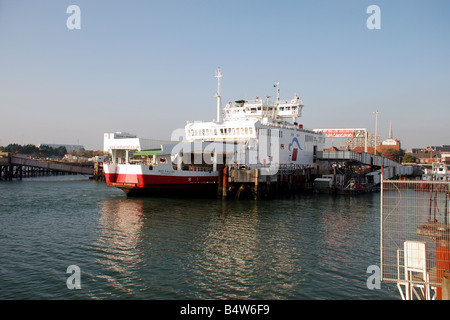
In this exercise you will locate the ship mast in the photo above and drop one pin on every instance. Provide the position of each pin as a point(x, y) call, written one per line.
point(219, 98)
point(277, 84)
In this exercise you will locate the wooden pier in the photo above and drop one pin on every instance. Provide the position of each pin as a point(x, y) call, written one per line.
point(259, 184)
point(21, 166)
point(333, 172)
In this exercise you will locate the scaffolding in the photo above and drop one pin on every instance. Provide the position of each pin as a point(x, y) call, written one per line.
point(415, 236)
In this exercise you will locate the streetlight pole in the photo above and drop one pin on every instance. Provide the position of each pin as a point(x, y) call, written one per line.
point(376, 130)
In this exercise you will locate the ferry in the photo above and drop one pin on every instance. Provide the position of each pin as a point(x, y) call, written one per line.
point(438, 172)
point(257, 134)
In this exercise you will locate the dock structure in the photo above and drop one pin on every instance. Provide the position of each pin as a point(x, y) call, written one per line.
point(341, 172)
point(262, 183)
point(362, 158)
point(355, 172)
point(15, 166)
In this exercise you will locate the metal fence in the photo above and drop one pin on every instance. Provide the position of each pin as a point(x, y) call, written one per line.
point(415, 236)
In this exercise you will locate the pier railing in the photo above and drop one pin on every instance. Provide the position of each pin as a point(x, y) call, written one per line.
point(362, 157)
point(415, 236)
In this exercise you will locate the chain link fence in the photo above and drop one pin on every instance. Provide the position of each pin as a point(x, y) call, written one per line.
point(415, 236)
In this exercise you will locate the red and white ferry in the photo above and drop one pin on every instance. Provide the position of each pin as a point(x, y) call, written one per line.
point(257, 134)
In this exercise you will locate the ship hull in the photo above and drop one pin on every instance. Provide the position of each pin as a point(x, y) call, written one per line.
point(160, 185)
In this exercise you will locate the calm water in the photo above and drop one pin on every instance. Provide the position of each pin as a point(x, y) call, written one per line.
point(312, 247)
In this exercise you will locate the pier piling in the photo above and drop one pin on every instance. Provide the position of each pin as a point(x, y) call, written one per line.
point(257, 184)
point(225, 183)
point(16, 166)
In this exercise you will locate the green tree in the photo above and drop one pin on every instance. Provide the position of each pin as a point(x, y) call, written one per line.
point(60, 151)
point(407, 158)
point(12, 147)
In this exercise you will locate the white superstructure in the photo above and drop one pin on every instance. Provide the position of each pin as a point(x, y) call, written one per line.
point(269, 129)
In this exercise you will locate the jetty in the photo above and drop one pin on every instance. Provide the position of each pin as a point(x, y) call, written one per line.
point(17, 166)
point(334, 172)
point(356, 172)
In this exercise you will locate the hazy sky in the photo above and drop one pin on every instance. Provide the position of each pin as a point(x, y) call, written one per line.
point(146, 67)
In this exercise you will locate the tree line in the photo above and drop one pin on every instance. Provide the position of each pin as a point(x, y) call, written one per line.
point(32, 150)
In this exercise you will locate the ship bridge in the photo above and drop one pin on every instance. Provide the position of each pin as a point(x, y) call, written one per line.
point(260, 108)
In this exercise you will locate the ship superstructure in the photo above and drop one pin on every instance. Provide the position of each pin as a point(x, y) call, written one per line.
point(247, 135)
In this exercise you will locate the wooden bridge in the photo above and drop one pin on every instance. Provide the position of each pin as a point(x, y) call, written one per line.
point(19, 166)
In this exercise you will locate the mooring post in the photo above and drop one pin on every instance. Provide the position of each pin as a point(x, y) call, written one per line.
point(225, 183)
point(220, 183)
point(256, 184)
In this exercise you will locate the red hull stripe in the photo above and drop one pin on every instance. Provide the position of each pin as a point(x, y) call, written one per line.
point(143, 181)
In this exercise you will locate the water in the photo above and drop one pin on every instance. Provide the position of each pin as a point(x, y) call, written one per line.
point(311, 247)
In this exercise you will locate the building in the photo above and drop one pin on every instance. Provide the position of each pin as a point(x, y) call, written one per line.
point(425, 157)
point(430, 155)
point(389, 143)
point(359, 141)
point(445, 158)
point(370, 150)
point(442, 149)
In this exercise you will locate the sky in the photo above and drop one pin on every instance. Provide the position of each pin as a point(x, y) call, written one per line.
point(146, 67)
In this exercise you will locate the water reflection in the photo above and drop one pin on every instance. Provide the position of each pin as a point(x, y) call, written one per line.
point(190, 249)
point(241, 254)
point(347, 240)
point(118, 247)
point(307, 248)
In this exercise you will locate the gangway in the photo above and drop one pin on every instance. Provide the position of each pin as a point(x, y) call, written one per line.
point(366, 159)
